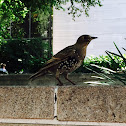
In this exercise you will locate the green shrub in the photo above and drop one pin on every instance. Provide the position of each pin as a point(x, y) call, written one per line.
point(26, 55)
point(102, 61)
point(116, 71)
point(106, 61)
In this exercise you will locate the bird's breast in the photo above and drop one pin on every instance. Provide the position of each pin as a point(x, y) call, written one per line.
point(69, 65)
point(81, 52)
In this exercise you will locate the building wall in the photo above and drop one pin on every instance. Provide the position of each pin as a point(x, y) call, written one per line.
point(108, 23)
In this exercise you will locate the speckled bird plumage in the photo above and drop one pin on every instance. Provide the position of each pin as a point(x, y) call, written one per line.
point(66, 60)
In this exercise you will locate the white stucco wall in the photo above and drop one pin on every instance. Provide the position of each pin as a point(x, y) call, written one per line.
point(108, 23)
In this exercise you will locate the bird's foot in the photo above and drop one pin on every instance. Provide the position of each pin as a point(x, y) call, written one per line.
point(73, 83)
point(60, 84)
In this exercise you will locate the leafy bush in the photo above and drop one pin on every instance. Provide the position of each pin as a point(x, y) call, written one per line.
point(25, 55)
point(114, 64)
point(117, 71)
point(102, 61)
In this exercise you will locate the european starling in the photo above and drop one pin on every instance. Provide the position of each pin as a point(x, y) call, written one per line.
point(66, 60)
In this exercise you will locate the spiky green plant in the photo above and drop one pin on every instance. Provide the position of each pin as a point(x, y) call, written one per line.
point(113, 76)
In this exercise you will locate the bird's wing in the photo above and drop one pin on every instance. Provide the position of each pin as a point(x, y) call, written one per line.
point(65, 52)
point(61, 55)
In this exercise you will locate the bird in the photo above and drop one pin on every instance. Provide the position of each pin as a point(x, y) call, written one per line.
point(66, 61)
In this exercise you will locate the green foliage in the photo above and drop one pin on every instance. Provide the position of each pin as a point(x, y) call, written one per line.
point(77, 7)
point(10, 10)
point(26, 54)
point(114, 74)
point(114, 62)
point(102, 61)
point(16, 10)
point(15, 13)
point(42, 21)
point(73, 9)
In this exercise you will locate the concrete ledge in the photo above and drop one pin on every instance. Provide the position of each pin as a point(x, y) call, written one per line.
point(92, 104)
point(27, 102)
point(23, 79)
point(14, 79)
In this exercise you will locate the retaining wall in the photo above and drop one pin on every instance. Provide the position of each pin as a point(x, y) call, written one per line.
point(69, 105)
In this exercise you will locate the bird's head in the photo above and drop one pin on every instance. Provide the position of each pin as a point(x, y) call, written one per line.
point(85, 39)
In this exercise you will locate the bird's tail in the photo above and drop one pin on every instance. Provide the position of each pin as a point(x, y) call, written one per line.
point(38, 74)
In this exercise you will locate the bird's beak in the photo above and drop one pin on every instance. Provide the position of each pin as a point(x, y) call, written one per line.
point(94, 37)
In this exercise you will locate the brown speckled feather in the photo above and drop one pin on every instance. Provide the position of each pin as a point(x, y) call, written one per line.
point(59, 57)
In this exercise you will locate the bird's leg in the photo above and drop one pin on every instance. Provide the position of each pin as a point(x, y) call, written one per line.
point(60, 83)
point(66, 77)
point(57, 77)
